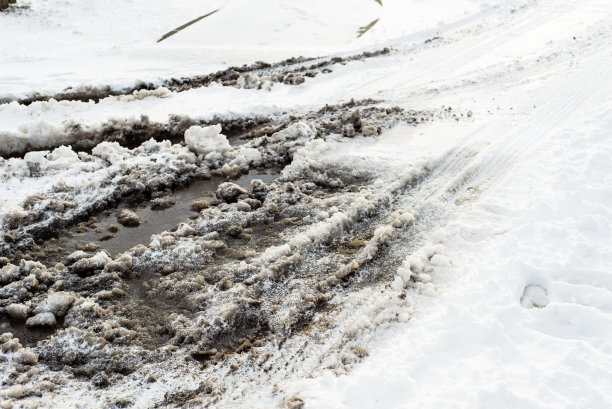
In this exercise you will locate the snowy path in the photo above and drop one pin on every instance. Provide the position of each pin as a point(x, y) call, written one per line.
point(475, 345)
point(542, 220)
point(462, 261)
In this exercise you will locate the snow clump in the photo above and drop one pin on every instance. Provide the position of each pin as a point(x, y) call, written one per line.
point(207, 139)
point(128, 218)
point(42, 319)
point(56, 303)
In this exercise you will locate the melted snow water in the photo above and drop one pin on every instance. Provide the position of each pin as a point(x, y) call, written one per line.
point(28, 337)
point(152, 221)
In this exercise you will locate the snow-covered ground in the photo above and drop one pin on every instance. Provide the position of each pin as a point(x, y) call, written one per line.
point(55, 44)
point(465, 262)
point(521, 319)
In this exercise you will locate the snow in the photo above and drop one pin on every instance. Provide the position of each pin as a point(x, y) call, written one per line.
point(19, 311)
point(539, 237)
point(56, 303)
point(121, 47)
point(96, 262)
point(504, 295)
point(26, 356)
point(205, 140)
point(41, 319)
point(476, 344)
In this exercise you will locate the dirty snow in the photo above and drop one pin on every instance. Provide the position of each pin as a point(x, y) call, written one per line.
point(460, 259)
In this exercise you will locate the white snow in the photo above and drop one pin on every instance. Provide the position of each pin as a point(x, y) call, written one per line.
point(19, 311)
point(533, 233)
point(478, 342)
point(41, 319)
point(507, 302)
point(56, 303)
point(76, 43)
point(207, 139)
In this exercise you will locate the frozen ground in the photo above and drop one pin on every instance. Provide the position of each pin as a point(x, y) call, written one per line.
point(434, 229)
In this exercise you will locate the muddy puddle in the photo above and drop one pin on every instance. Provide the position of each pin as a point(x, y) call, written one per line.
point(27, 336)
point(153, 219)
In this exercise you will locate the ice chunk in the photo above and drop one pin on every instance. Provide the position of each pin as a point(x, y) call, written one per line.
point(9, 273)
point(62, 158)
point(76, 256)
point(63, 152)
point(229, 192)
point(111, 151)
point(36, 157)
point(122, 263)
point(243, 206)
point(26, 356)
point(56, 303)
point(42, 319)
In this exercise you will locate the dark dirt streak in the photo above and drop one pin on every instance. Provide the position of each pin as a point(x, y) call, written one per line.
point(133, 133)
point(365, 29)
point(285, 71)
point(238, 131)
point(184, 26)
point(84, 94)
point(179, 399)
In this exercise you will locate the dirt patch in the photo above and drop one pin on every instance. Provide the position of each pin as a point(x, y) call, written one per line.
point(292, 71)
point(219, 277)
point(349, 119)
point(132, 134)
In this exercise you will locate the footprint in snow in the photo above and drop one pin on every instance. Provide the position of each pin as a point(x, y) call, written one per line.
point(534, 296)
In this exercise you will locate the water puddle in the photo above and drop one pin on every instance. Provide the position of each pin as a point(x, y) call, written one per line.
point(28, 337)
point(152, 220)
